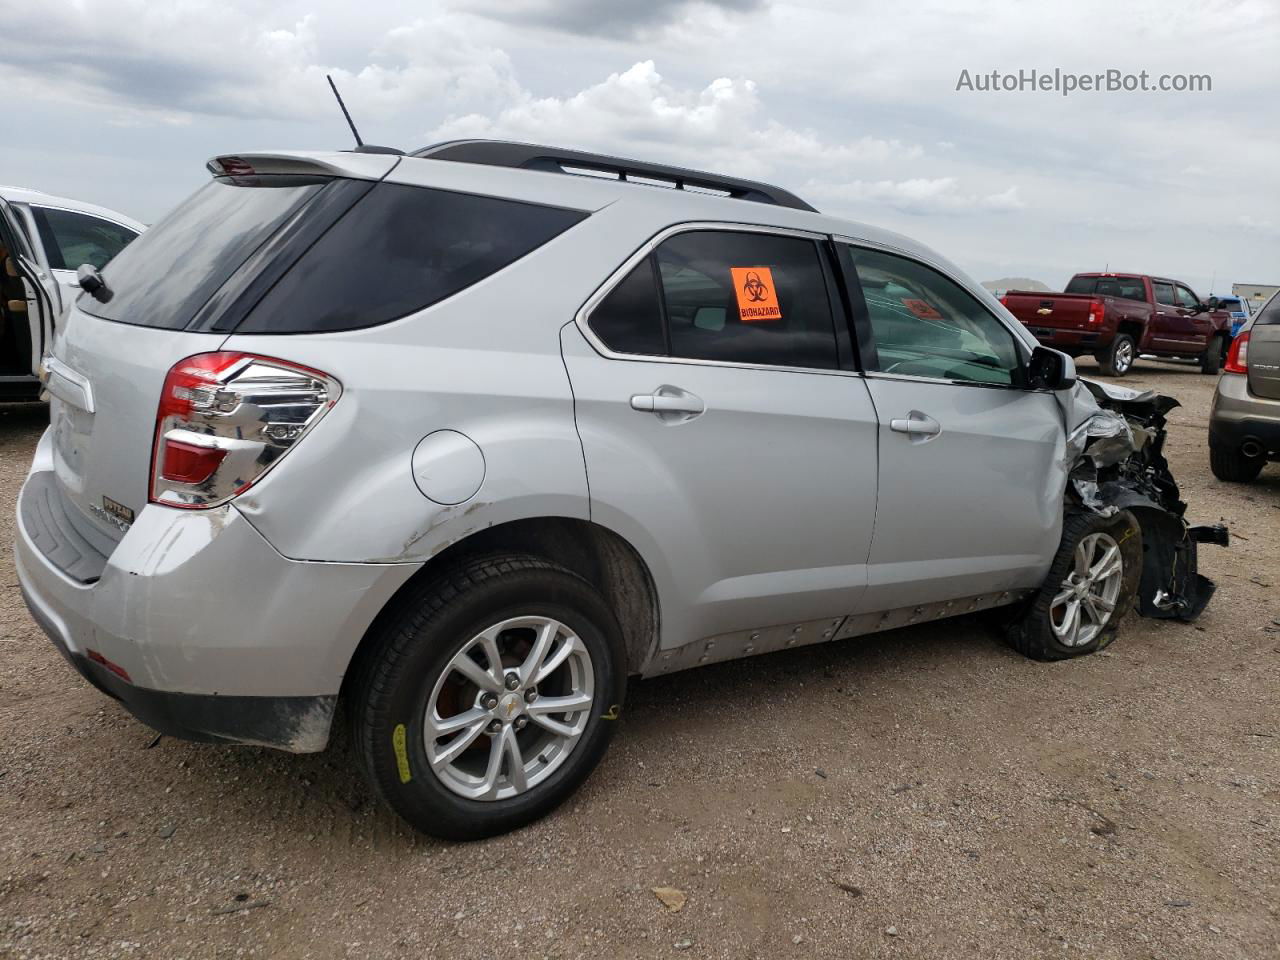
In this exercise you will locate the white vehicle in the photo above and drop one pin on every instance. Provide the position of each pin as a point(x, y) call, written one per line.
point(43, 240)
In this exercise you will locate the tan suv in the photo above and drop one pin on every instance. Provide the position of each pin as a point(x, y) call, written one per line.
point(1244, 427)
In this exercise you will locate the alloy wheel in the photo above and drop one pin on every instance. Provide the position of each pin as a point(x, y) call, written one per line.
point(1088, 595)
point(509, 708)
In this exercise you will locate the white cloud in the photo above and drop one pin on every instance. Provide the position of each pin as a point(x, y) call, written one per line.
point(637, 112)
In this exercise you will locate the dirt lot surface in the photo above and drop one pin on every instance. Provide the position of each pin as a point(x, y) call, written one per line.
point(922, 794)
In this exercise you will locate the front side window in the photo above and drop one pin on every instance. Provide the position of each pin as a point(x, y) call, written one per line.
point(70, 239)
point(925, 325)
point(1164, 292)
point(1187, 299)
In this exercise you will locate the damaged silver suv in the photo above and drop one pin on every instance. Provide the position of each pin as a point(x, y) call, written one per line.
point(465, 438)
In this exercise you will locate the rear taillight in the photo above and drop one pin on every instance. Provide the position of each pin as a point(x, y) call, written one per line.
point(1238, 355)
point(1096, 311)
point(225, 419)
point(1004, 301)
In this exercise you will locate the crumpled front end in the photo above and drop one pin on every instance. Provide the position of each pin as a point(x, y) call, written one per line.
point(1115, 461)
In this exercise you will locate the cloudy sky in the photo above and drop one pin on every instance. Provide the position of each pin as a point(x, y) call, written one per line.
point(851, 104)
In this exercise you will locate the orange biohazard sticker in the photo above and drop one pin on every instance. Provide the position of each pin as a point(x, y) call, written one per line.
point(757, 297)
point(921, 309)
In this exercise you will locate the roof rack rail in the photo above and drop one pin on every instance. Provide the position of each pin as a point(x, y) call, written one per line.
point(530, 156)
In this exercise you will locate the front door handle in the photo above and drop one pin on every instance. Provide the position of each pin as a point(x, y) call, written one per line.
point(670, 404)
point(917, 424)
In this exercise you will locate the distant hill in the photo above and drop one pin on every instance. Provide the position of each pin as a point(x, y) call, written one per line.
point(1013, 283)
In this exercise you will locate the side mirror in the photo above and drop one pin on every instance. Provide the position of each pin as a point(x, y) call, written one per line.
point(1213, 303)
point(92, 283)
point(1050, 370)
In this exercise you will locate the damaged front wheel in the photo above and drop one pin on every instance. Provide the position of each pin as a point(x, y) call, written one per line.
point(1090, 587)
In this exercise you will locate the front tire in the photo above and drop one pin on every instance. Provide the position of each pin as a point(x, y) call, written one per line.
point(1211, 359)
point(1092, 584)
point(488, 695)
point(1117, 358)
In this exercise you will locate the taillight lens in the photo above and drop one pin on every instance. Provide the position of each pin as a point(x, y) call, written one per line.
point(225, 419)
point(1238, 355)
point(1004, 301)
point(1096, 311)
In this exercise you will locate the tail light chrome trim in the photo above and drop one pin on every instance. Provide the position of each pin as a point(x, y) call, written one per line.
point(225, 419)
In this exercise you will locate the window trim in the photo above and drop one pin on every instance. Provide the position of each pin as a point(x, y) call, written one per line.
point(865, 335)
point(836, 305)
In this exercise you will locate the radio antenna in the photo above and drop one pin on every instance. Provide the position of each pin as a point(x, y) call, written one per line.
point(350, 123)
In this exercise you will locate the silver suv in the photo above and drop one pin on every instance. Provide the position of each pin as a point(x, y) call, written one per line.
point(464, 439)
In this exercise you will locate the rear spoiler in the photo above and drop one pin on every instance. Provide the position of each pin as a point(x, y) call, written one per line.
point(355, 166)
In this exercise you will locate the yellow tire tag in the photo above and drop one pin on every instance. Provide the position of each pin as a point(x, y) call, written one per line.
point(402, 754)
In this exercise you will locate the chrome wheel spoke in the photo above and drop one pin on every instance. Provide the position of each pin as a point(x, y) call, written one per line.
point(442, 727)
point(497, 753)
point(553, 663)
point(538, 653)
point(515, 760)
point(554, 726)
point(457, 745)
point(1108, 566)
point(482, 678)
point(570, 704)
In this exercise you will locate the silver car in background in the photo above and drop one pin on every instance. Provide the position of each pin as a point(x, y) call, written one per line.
point(468, 437)
point(1244, 422)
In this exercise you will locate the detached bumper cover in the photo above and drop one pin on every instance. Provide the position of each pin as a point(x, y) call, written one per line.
point(1119, 464)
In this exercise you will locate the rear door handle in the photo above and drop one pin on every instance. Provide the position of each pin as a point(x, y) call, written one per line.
point(916, 424)
point(669, 403)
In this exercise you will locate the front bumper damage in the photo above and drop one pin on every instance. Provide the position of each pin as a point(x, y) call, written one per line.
point(1115, 461)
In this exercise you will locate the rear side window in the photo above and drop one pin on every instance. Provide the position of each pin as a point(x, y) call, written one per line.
point(629, 319)
point(1269, 315)
point(1163, 291)
point(747, 298)
point(167, 274)
point(70, 239)
point(398, 250)
point(1126, 288)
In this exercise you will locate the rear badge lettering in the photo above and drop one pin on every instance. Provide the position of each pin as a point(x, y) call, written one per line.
point(116, 514)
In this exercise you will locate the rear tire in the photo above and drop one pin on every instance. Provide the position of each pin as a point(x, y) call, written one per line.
point(1211, 359)
point(1075, 582)
point(1117, 358)
point(1232, 466)
point(428, 685)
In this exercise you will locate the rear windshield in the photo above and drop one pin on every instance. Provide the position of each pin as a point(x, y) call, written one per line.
point(1270, 314)
point(1126, 288)
point(167, 274)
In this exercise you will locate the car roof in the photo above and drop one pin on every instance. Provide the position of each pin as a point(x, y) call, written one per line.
point(41, 199)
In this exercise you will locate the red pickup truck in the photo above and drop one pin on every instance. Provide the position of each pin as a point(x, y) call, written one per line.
point(1116, 316)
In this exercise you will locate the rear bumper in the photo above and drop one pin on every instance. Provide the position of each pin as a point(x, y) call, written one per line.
point(1239, 418)
point(221, 638)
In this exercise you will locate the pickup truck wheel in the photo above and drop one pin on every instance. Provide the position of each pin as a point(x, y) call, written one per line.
point(1117, 359)
point(488, 696)
point(1090, 587)
point(1232, 466)
point(1211, 359)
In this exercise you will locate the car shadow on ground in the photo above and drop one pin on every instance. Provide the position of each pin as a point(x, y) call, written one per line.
point(227, 785)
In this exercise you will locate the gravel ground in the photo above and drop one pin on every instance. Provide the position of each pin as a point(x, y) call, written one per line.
point(922, 794)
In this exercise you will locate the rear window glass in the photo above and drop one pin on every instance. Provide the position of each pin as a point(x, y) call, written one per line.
point(166, 275)
point(1126, 288)
point(400, 249)
point(1270, 313)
